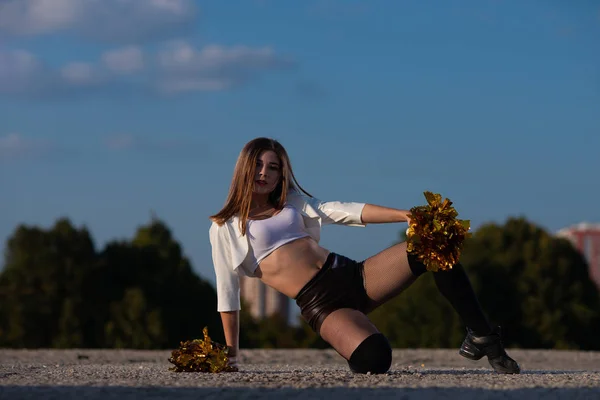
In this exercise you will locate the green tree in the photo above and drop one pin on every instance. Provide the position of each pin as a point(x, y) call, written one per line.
point(132, 324)
point(534, 284)
point(69, 327)
point(187, 303)
point(57, 291)
point(42, 269)
point(152, 264)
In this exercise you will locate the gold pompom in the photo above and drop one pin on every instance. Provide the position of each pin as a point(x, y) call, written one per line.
point(435, 236)
point(201, 356)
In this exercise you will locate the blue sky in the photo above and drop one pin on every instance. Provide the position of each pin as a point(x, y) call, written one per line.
point(110, 109)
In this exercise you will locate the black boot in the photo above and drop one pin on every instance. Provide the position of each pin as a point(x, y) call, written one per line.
point(475, 347)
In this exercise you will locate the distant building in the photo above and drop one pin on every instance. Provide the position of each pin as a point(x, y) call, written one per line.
point(586, 238)
point(263, 300)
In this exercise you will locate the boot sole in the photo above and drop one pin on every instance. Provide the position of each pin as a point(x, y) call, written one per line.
point(507, 371)
point(499, 370)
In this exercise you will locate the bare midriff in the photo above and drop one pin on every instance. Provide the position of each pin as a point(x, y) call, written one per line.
point(291, 266)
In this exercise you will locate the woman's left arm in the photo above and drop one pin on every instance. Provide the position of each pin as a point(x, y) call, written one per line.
point(373, 214)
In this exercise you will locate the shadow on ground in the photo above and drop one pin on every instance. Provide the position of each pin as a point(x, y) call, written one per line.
point(156, 393)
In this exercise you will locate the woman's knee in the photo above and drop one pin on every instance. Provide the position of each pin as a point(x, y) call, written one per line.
point(373, 355)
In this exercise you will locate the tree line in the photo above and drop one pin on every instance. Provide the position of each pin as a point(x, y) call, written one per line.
point(58, 291)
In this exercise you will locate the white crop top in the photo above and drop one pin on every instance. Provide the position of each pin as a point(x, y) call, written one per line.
point(267, 235)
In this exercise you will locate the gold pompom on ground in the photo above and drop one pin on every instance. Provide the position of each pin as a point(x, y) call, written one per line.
point(201, 356)
point(435, 236)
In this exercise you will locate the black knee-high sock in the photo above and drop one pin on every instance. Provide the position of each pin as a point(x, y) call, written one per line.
point(455, 286)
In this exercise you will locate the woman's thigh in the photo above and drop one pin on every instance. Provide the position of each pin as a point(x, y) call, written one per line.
point(387, 274)
point(345, 329)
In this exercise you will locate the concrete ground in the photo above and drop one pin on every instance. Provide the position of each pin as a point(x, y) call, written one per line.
point(296, 374)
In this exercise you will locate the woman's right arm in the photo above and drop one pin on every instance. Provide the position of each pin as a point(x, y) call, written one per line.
point(228, 291)
point(231, 329)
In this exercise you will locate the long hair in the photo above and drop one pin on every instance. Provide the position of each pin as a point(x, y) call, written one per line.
point(242, 184)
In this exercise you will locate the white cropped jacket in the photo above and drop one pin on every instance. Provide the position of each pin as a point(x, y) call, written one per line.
point(232, 255)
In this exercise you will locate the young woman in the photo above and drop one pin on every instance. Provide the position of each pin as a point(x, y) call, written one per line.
point(269, 228)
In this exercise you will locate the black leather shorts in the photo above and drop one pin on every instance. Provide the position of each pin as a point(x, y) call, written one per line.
point(339, 284)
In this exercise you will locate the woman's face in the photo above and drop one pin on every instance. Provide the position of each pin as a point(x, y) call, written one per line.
point(267, 173)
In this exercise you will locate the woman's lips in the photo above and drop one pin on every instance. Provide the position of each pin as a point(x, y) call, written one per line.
point(261, 183)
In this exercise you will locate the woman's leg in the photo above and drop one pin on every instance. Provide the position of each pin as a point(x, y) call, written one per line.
point(392, 270)
point(333, 303)
point(387, 274)
point(354, 337)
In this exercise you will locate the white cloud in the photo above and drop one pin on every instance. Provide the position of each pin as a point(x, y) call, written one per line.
point(78, 73)
point(32, 17)
point(184, 68)
point(176, 68)
point(125, 60)
point(105, 20)
point(22, 72)
point(18, 63)
point(181, 55)
point(14, 145)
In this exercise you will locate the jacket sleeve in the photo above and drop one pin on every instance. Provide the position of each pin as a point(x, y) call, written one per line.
point(227, 279)
point(338, 212)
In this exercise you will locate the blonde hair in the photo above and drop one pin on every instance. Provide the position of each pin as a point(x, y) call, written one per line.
point(242, 184)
